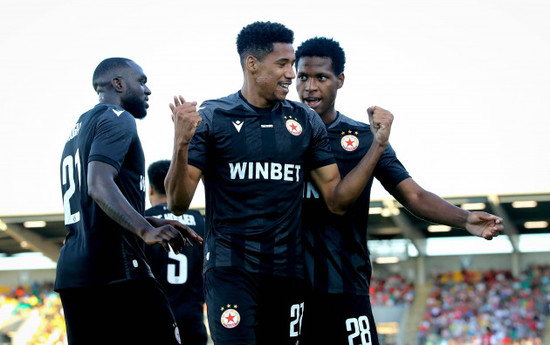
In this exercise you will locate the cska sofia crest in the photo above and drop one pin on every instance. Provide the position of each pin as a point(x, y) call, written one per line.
point(349, 141)
point(293, 126)
point(230, 317)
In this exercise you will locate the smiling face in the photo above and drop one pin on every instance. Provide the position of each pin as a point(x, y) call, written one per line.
point(317, 85)
point(271, 77)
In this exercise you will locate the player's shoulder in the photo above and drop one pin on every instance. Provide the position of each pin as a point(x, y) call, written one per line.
point(301, 110)
point(207, 108)
point(298, 107)
point(113, 113)
point(345, 121)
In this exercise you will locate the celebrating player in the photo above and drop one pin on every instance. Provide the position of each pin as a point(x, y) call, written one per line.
point(106, 287)
point(251, 149)
point(337, 257)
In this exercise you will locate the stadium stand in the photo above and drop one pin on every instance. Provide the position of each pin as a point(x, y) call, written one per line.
point(489, 307)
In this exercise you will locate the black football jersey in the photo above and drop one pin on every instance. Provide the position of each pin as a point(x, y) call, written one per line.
point(97, 250)
point(179, 274)
point(337, 257)
point(253, 163)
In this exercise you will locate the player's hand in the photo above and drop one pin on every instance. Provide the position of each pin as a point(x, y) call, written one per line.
point(484, 225)
point(380, 124)
point(186, 119)
point(188, 236)
point(167, 236)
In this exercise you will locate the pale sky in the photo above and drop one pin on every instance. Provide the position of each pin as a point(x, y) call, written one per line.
point(467, 81)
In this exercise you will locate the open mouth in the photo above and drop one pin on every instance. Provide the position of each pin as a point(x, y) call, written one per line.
point(312, 102)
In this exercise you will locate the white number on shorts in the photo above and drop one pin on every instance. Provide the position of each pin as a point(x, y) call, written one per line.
point(296, 312)
point(171, 275)
point(360, 327)
point(67, 177)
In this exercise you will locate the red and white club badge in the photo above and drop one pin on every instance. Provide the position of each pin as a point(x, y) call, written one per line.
point(293, 127)
point(230, 318)
point(349, 142)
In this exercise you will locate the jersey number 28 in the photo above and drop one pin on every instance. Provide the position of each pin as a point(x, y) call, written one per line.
point(361, 328)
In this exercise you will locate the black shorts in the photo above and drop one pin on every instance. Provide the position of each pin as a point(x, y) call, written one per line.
point(130, 312)
point(253, 308)
point(193, 330)
point(338, 319)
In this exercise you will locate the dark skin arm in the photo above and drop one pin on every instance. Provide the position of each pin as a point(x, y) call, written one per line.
point(104, 191)
point(432, 208)
point(182, 179)
point(339, 194)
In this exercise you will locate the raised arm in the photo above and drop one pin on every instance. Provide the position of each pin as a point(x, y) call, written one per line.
point(182, 179)
point(430, 207)
point(105, 192)
point(339, 193)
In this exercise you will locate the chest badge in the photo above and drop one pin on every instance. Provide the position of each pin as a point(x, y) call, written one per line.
point(349, 142)
point(293, 126)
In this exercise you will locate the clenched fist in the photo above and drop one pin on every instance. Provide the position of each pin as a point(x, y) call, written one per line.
point(380, 124)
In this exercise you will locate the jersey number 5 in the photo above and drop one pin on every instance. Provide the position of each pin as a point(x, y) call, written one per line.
point(68, 168)
point(173, 274)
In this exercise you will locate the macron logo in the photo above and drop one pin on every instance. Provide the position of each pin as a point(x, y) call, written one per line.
point(118, 112)
point(238, 125)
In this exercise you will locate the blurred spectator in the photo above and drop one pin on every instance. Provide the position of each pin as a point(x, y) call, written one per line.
point(487, 308)
point(390, 291)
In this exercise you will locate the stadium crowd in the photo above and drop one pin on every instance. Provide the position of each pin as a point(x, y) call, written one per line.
point(487, 308)
point(391, 291)
point(32, 315)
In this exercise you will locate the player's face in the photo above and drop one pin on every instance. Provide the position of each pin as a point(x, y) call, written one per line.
point(317, 85)
point(274, 74)
point(137, 93)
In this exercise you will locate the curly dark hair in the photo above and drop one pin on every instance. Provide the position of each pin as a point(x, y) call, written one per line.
point(157, 173)
point(325, 48)
point(257, 39)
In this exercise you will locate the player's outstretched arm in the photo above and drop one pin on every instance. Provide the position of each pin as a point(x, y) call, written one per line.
point(338, 193)
point(182, 179)
point(430, 207)
point(105, 192)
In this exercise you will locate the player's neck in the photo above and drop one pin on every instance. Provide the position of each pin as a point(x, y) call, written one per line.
point(252, 97)
point(329, 116)
point(157, 199)
point(107, 98)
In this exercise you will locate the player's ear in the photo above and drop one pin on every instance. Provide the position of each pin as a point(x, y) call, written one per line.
point(251, 63)
point(341, 78)
point(118, 84)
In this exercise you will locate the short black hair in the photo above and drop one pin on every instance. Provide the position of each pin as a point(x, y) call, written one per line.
point(107, 69)
point(325, 48)
point(157, 173)
point(257, 39)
